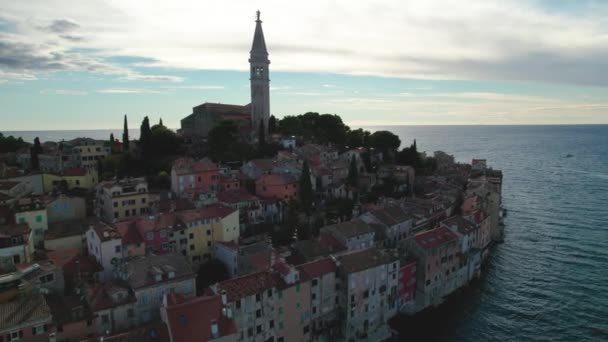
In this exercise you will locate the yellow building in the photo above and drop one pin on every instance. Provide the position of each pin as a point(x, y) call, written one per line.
point(78, 177)
point(201, 228)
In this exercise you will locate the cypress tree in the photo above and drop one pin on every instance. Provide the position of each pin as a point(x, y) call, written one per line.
point(160, 123)
point(272, 124)
point(111, 142)
point(353, 172)
point(37, 146)
point(145, 136)
point(262, 136)
point(34, 159)
point(306, 194)
point(125, 136)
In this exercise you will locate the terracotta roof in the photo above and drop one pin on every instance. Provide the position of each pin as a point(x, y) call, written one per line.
point(152, 332)
point(277, 179)
point(245, 286)
point(191, 320)
point(228, 244)
point(178, 204)
point(130, 234)
point(366, 259)
point(316, 269)
point(188, 166)
point(24, 310)
point(73, 262)
point(104, 231)
point(435, 238)
point(75, 172)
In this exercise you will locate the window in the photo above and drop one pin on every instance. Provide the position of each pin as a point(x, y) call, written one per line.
point(271, 324)
point(38, 218)
point(280, 312)
point(314, 310)
point(258, 297)
point(47, 278)
point(208, 243)
point(314, 296)
point(298, 305)
point(280, 325)
point(238, 304)
point(15, 335)
point(150, 236)
point(306, 329)
point(258, 313)
point(208, 232)
point(192, 235)
point(258, 329)
point(38, 330)
point(191, 247)
point(250, 332)
point(22, 220)
point(315, 282)
point(269, 293)
point(143, 200)
point(280, 294)
point(130, 313)
point(298, 287)
point(105, 319)
point(163, 233)
point(117, 249)
point(126, 212)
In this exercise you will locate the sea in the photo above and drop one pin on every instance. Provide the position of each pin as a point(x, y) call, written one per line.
point(548, 281)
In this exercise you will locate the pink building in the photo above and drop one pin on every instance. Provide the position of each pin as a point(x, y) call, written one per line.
point(280, 186)
point(189, 176)
point(153, 232)
point(437, 251)
point(407, 283)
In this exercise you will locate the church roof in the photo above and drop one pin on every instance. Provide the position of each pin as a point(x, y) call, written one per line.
point(259, 44)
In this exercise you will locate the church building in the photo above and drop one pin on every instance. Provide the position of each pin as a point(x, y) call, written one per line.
point(204, 117)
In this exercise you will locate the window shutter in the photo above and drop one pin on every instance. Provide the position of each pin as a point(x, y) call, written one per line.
point(34, 331)
point(20, 333)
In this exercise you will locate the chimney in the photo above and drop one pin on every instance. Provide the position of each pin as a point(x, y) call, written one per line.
point(215, 330)
point(224, 298)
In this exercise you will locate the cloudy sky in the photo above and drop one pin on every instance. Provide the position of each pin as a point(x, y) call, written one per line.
point(83, 64)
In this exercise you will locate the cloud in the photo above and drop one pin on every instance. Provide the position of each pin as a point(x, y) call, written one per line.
point(198, 87)
point(64, 92)
point(61, 26)
point(161, 78)
point(127, 91)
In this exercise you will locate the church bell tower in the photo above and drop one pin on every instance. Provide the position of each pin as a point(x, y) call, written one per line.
point(260, 82)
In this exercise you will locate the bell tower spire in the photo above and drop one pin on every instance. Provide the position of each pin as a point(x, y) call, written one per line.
point(259, 77)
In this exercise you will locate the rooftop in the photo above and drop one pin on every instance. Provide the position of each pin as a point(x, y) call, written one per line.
point(75, 172)
point(11, 230)
point(25, 309)
point(66, 228)
point(7, 185)
point(191, 319)
point(463, 226)
point(316, 269)
point(351, 228)
point(142, 271)
point(249, 285)
point(391, 215)
point(366, 259)
point(435, 238)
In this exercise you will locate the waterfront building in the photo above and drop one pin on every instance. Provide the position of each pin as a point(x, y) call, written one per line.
point(368, 293)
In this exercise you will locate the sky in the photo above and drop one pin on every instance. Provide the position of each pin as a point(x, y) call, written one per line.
point(84, 64)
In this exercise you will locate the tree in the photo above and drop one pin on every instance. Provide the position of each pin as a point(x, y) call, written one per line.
point(11, 144)
point(353, 172)
point(34, 163)
point(162, 142)
point(306, 194)
point(125, 136)
point(145, 137)
point(385, 141)
point(357, 138)
point(160, 123)
point(224, 143)
point(111, 143)
point(262, 136)
point(37, 146)
point(272, 124)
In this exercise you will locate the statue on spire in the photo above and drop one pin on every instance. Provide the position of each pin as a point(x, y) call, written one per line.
point(257, 14)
